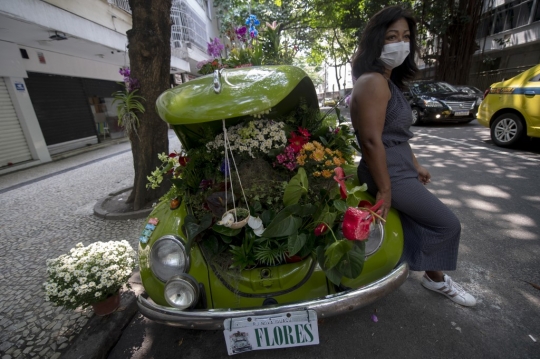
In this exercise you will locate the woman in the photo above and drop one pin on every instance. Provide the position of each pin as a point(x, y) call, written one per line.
point(381, 117)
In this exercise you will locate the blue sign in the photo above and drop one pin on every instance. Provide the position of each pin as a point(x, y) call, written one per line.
point(19, 86)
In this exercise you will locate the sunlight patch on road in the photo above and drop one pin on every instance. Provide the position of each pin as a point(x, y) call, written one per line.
point(476, 147)
point(519, 219)
point(486, 191)
point(520, 234)
point(483, 205)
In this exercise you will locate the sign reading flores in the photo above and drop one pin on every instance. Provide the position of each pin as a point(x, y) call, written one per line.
point(271, 332)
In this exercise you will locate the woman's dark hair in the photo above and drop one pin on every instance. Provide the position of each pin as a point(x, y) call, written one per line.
point(366, 59)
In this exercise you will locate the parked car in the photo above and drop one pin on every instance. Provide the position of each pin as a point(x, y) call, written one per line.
point(186, 287)
point(511, 108)
point(437, 101)
point(329, 102)
point(471, 90)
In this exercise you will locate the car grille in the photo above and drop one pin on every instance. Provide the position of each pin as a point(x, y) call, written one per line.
point(457, 106)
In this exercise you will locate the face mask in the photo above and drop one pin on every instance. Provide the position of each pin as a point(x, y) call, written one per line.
point(394, 54)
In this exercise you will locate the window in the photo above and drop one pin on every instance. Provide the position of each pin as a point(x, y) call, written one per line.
point(512, 15)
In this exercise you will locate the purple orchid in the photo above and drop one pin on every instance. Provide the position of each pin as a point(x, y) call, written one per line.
point(215, 47)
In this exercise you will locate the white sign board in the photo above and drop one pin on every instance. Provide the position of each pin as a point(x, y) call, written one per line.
point(271, 332)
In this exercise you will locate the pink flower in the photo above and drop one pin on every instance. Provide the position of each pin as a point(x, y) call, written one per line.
point(304, 132)
point(340, 178)
point(321, 229)
point(356, 222)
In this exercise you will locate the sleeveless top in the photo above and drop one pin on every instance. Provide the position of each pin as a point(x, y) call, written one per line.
point(398, 119)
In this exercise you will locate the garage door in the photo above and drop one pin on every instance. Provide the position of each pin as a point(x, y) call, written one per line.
point(13, 146)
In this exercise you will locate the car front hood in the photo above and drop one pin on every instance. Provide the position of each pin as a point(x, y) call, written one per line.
point(450, 96)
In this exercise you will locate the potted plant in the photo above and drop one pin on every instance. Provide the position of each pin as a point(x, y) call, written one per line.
point(91, 275)
point(128, 103)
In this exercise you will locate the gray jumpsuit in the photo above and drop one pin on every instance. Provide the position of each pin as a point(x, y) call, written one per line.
point(431, 231)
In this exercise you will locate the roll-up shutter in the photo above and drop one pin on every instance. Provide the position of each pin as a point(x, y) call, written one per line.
point(62, 108)
point(100, 88)
point(13, 146)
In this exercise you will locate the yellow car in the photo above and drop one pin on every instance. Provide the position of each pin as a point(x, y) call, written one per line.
point(511, 108)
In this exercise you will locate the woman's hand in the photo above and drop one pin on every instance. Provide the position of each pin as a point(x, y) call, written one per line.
point(385, 207)
point(423, 175)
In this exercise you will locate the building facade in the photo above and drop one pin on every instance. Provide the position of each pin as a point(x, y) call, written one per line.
point(59, 62)
point(509, 41)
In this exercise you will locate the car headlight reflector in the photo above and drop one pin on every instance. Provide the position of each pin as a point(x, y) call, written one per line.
point(432, 103)
point(182, 291)
point(168, 258)
point(375, 239)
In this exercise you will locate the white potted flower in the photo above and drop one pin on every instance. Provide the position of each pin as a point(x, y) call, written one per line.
point(91, 275)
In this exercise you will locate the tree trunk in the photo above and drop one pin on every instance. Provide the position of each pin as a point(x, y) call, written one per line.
point(459, 42)
point(149, 57)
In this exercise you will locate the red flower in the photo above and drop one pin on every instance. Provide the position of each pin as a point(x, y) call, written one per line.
point(173, 155)
point(321, 229)
point(304, 132)
point(356, 222)
point(340, 178)
point(297, 142)
point(183, 160)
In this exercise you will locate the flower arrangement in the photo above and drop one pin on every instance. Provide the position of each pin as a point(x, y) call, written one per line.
point(296, 191)
point(90, 274)
point(247, 46)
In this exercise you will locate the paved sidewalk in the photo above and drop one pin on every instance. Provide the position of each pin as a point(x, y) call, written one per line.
point(46, 211)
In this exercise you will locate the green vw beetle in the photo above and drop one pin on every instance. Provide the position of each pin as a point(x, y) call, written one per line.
point(293, 261)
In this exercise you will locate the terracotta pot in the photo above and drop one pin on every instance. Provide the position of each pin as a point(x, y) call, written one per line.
point(107, 306)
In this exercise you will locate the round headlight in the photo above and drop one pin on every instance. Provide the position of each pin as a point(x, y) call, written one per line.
point(375, 239)
point(168, 258)
point(182, 291)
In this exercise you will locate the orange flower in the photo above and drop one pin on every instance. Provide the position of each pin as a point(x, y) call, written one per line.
point(326, 174)
point(316, 174)
point(329, 163)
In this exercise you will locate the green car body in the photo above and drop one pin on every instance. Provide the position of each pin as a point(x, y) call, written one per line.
point(232, 95)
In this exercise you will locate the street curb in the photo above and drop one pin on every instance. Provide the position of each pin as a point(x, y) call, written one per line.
point(100, 334)
point(101, 212)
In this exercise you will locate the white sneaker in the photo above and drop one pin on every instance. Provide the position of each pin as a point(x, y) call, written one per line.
point(451, 289)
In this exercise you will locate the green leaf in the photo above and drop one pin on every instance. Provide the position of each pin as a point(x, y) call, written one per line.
point(352, 200)
point(327, 217)
point(193, 228)
point(340, 205)
point(334, 275)
point(357, 190)
point(323, 140)
point(352, 262)
point(306, 210)
point(336, 251)
point(211, 244)
point(296, 242)
point(230, 232)
point(297, 186)
point(226, 239)
point(267, 216)
point(283, 226)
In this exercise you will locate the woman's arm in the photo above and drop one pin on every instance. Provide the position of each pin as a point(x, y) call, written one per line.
point(369, 99)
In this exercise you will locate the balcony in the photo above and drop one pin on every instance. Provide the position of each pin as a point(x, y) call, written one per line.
point(122, 4)
point(187, 27)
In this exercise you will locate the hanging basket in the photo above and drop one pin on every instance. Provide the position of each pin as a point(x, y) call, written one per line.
point(230, 218)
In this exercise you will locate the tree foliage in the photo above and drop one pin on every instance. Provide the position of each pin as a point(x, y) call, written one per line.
point(329, 31)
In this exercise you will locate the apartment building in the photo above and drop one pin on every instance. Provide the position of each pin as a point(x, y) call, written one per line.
point(59, 62)
point(509, 40)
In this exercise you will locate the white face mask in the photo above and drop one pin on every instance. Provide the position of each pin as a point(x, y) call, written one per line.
point(394, 54)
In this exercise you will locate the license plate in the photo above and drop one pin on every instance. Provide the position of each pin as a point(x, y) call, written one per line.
point(283, 330)
point(461, 113)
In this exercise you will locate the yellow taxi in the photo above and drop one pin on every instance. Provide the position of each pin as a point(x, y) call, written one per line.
point(511, 108)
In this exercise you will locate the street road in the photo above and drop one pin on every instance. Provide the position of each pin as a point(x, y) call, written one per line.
point(495, 193)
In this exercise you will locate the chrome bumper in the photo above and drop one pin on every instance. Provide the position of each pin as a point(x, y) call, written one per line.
point(343, 302)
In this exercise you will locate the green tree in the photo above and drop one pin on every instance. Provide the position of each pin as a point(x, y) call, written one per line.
point(448, 35)
point(149, 55)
